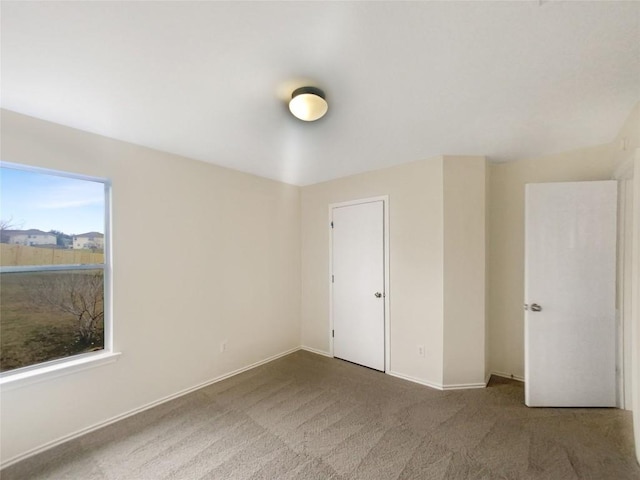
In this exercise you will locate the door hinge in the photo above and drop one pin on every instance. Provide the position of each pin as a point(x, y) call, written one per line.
point(333, 333)
point(331, 224)
point(332, 279)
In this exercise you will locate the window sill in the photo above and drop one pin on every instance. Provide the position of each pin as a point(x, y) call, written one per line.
point(37, 375)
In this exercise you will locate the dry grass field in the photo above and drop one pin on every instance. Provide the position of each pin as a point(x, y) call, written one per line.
point(34, 331)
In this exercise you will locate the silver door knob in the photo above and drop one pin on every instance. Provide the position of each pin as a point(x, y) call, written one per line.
point(535, 307)
point(378, 294)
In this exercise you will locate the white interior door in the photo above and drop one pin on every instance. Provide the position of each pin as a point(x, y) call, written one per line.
point(358, 294)
point(570, 285)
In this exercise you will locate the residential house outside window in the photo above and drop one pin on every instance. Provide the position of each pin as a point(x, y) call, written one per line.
point(55, 297)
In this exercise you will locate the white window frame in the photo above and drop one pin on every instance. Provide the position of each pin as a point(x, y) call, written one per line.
point(63, 366)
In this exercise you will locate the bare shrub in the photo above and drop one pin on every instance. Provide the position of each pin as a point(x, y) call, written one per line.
point(78, 294)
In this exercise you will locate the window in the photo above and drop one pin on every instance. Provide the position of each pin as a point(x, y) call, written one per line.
point(55, 298)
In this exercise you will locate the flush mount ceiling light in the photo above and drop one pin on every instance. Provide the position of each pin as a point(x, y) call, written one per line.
point(308, 103)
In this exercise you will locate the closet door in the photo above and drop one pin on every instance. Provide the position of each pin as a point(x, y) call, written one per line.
point(358, 283)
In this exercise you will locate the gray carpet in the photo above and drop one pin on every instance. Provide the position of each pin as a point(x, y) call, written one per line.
point(309, 417)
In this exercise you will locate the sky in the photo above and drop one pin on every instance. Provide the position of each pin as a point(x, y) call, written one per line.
point(50, 202)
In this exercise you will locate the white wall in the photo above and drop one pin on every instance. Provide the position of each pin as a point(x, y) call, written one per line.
point(238, 279)
point(31, 239)
point(416, 255)
point(464, 270)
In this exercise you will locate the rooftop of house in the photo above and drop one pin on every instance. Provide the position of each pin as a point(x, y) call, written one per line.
point(31, 231)
point(90, 235)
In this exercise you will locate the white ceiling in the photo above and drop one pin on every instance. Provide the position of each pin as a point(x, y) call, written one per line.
point(404, 80)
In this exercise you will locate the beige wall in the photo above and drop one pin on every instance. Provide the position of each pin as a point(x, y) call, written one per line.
point(506, 252)
point(464, 270)
point(635, 362)
point(237, 280)
point(628, 139)
point(487, 273)
point(416, 256)
point(627, 163)
point(437, 256)
point(257, 274)
point(506, 231)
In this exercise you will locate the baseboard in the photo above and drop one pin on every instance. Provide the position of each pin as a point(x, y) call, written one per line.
point(463, 386)
point(508, 375)
point(135, 411)
point(316, 351)
point(437, 386)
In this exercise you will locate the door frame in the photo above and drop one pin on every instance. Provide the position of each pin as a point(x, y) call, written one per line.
point(623, 293)
point(385, 224)
point(626, 173)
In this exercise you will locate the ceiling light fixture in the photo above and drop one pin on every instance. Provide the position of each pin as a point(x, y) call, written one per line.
point(308, 103)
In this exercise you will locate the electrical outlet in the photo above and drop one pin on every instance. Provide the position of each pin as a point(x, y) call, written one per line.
point(421, 350)
point(223, 346)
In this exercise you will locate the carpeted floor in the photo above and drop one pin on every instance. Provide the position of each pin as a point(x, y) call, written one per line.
point(309, 417)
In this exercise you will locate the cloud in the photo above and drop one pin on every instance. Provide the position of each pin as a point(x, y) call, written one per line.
point(77, 203)
point(70, 195)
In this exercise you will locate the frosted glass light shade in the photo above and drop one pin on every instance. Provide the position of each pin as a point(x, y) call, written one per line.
point(308, 104)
